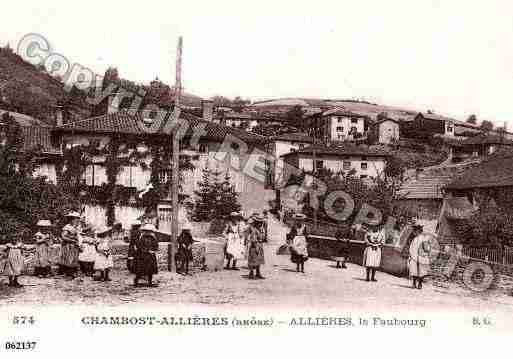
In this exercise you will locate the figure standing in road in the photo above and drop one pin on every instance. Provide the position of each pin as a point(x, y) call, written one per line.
point(146, 247)
point(234, 234)
point(298, 248)
point(255, 247)
point(419, 256)
point(372, 254)
point(69, 245)
point(42, 265)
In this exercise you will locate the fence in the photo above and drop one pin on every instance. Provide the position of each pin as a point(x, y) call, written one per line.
point(497, 256)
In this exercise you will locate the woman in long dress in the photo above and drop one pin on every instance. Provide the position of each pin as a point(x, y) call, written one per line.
point(234, 234)
point(15, 261)
point(146, 247)
point(419, 257)
point(70, 247)
point(255, 247)
point(372, 254)
point(42, 263)
point(298, 249)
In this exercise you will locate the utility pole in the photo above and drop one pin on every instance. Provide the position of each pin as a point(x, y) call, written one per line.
point(314, 168)
point(175, 161)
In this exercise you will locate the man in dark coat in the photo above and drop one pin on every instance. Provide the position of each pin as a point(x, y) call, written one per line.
point(145, 260)
point(134, 235)
point(184, 253)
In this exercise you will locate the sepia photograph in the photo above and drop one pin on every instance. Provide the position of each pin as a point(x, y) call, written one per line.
point(254, 166)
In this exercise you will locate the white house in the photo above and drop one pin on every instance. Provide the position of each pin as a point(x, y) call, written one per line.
point(346, 157)
point(339, 125)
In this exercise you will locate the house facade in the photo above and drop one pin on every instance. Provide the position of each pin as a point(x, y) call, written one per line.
point(479, 146)
point(339, 125)
point(386, 131)
point(342, 158)
point(430, 124)
point(239, 153)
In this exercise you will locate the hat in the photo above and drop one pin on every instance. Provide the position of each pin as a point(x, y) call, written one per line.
point(148, 227)
point(44, 223)
point(235, 214)
point(258, 218)
point(299, 216)
point(73, 214)
point(40, 237)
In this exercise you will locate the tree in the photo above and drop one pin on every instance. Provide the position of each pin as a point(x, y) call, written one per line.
point(472, 119)
point(294, 117)
point(487, 125)
point(216, 197)
point(24, 199)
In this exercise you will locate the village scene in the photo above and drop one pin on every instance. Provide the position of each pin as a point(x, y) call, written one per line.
point(116, 192)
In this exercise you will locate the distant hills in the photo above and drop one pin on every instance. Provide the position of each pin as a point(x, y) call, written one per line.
point(309, 104)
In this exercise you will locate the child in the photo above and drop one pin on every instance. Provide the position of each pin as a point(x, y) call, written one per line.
point(103, 261)
point(372, 254)
point(298, 249)
point(87, 255)
point(15, 262)
point(342, 236)
point(184, 253)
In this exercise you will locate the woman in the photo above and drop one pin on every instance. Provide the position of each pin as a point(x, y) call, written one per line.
point(70, 244)
point(234, 234)
point(103, 262)
point(298, 249)
point(134, 234)
point(372, 254)
point(418, 261)
point(146, 247)
point(42, 265)
point(255, 248)
point(15, 263)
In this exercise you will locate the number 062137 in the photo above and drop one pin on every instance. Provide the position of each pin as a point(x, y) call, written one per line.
point(24, 345)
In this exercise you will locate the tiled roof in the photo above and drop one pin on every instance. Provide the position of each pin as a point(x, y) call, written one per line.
point(341, 112)
point(24, 120)
point(424, 187)
point(487, 140)
point(37, 137)
point(293, 137)
point(342, 149)
point(495, 171)
point(124, 122)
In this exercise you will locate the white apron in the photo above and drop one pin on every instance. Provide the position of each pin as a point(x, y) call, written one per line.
point(235, 242)
point(103, 259)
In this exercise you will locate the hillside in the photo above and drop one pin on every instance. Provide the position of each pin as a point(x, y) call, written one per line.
point(360, 107)
point(28, 90)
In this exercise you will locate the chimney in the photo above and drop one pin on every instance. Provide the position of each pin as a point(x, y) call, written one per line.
point(208, 110)
point(113, 103)
point(59, 116)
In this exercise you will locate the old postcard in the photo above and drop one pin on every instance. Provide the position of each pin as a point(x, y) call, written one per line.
point(303, 178)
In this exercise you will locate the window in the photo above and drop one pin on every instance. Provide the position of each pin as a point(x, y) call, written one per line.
point(363, 166)
point(340, 129)
point(318, 165)
point(203, 148)
point(164, 176)
point(346, 165)
point(301, 146)
point(340, 120)
point(363, 176)
point(354, 120)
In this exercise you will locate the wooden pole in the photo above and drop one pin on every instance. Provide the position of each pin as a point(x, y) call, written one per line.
point(175, 164)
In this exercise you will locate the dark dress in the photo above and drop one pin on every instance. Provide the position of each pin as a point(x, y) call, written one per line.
point(184, 245)
point(130, 262)
point(145, 262)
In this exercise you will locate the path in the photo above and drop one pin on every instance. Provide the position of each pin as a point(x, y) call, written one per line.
point(322, 287)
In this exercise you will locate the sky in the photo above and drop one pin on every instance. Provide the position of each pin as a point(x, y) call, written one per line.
point(454, 57)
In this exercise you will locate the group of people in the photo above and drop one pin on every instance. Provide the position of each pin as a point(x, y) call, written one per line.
point(80, 249)
point(245, 238)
